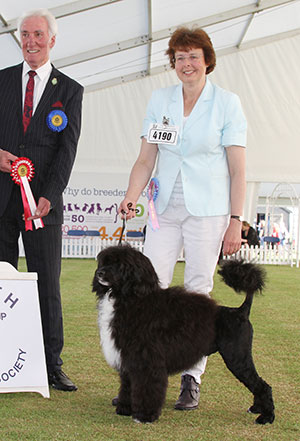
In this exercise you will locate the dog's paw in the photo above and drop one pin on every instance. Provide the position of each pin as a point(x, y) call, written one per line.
point(123, 409)
point(140, 422)
point(264, 419)
point(254, 409)
point(145, 418)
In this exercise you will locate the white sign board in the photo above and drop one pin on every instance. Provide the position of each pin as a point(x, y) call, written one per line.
point(91, 202)
point(22, 356)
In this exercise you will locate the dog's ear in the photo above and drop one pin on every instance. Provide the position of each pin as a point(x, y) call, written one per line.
point(135, 274)
point(148, 278)
point(141, 279)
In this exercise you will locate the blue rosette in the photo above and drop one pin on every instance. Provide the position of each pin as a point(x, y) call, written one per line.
point(57, 120)
point(153, 188)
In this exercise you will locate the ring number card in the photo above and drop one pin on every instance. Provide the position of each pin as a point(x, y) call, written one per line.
point(163, 134)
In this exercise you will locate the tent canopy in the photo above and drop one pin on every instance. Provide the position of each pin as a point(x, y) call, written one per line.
point(105, 42)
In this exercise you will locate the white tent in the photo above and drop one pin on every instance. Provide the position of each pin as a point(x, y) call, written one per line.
point(116, 50)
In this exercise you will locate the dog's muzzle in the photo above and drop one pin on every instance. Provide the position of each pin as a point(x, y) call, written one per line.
point(100, 278)
point(102, 282)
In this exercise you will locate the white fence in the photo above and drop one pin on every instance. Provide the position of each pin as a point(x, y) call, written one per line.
point(268, 254)
point(89, 246)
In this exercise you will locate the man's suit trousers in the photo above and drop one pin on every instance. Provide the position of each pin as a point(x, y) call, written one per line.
point(43, 255)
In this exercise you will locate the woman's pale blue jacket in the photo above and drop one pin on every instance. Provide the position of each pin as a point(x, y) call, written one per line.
point(216, 122)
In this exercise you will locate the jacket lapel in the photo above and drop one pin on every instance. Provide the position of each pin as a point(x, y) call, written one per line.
point(48, 92)
point(175, 108)
point(17, 92)
point(202, 105)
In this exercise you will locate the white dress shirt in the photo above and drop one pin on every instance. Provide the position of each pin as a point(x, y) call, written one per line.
point(40, 81)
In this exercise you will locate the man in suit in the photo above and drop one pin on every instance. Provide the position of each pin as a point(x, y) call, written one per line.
point(51, 146)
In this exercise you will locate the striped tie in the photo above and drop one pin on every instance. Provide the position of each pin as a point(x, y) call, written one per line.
point(28, 103)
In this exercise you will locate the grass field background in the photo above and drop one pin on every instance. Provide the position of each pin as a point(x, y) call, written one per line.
point(87, 414)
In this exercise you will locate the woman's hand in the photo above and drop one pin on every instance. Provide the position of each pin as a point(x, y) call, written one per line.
point(127, 209)
point(232, 239)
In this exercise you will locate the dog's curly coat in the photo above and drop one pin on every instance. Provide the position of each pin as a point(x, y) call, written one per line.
point(148, 333)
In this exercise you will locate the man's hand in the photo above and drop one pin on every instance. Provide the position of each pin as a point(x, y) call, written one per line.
point(6, 159)
point(42, 209)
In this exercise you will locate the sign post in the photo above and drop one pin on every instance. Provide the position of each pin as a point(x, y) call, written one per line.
point(22, 356)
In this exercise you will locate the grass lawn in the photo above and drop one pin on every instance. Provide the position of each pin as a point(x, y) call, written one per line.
point(87, 415)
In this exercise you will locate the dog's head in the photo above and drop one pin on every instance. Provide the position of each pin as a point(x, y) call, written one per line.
point(125, 271)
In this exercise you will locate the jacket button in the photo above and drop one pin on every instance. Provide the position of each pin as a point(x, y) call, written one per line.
point(21, 146)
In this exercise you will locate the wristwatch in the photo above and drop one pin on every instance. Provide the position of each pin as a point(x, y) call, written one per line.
point(239, 218)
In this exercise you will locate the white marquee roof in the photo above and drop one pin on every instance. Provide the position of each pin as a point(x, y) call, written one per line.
point(103, 43)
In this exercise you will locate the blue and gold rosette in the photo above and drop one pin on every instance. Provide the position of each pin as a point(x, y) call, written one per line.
point(57, 120)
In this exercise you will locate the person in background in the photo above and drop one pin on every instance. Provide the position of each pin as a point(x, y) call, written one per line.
point(201, 176)
point(40, 119)
point(249, 235)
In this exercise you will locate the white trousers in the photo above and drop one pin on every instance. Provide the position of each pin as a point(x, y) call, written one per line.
point(201, 238)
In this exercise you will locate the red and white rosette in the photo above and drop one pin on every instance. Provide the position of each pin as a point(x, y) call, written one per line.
point(22, 171)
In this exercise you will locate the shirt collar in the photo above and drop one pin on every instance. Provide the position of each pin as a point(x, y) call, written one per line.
point(41, 72)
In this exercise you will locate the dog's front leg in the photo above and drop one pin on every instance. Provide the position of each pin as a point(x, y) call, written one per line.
point(148, 391)
point(124, 400)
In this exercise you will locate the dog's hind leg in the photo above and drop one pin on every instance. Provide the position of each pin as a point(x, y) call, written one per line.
point(148, 391)
point(235, 346)
point(263, 401)
point(124, 396)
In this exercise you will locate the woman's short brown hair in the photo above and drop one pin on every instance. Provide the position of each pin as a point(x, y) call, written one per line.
point(184, 39)
point(246, 224)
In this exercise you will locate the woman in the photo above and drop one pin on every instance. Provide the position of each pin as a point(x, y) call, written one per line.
point(201, 176)
point(249, 235)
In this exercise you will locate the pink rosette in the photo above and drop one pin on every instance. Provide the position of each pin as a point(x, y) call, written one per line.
point(152, 193)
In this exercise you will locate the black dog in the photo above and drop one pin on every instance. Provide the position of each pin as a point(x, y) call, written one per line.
point(148, 333)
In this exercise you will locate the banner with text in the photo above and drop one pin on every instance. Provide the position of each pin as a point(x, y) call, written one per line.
point(91, 202)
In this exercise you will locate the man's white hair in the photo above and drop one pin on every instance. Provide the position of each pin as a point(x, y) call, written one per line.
point(51, 20)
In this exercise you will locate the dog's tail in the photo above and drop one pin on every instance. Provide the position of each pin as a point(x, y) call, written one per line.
point(243, 277)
